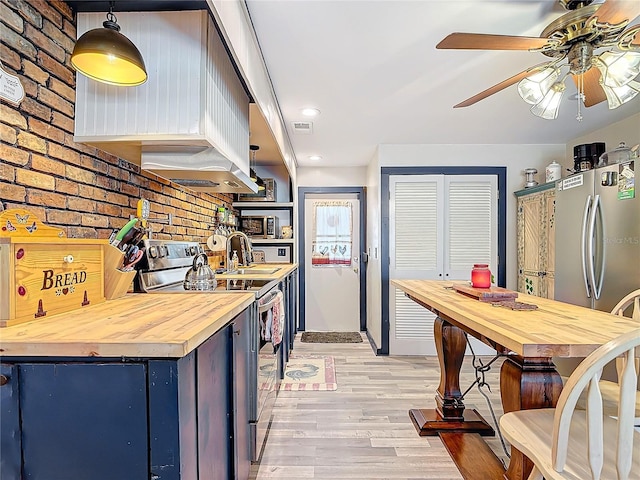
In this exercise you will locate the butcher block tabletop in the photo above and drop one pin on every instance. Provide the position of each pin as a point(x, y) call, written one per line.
point(136, 325)
point(554, 329)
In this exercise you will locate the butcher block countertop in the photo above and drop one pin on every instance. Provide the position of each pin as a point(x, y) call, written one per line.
point(554, 329)
point(136, 325)
point(284, 269)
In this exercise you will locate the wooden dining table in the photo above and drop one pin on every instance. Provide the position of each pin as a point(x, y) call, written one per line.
point(528, 378)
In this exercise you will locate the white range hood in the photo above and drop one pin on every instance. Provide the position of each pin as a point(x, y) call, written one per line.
point(200, 169)
point(189, 122)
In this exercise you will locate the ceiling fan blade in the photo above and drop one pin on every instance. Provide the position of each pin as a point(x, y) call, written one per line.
point(593, 92)
point(485, 41)
point(614, 12)
point(501, 86)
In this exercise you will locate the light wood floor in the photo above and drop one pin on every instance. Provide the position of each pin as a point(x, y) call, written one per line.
point(362, 430)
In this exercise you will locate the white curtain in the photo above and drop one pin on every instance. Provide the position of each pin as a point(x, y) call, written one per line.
point(332, 234)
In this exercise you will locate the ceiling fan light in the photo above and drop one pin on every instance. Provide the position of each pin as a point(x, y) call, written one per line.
point(107, 56)
point(617, 96)
point(550, 105)
point(534, 88)
point(618, 68)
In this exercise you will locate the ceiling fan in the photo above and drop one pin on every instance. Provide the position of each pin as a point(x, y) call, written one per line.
point(601, 49)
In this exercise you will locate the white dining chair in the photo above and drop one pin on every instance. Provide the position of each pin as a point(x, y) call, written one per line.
point(569, 444)
point(629, 306)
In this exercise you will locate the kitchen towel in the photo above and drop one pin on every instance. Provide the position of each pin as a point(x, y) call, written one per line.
point(278, 319)
point(217, 243)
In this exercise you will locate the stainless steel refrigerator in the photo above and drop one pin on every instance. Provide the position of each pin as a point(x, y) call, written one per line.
point(597, 240)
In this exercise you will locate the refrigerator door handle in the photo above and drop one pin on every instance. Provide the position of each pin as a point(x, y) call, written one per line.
point(591, 268)
point(597, 286)
point(583, 245)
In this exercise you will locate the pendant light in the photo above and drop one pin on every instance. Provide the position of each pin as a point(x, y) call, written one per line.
point(105, 55)
point(252, 173)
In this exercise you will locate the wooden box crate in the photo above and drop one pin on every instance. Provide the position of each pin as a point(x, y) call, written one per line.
point(42, 273)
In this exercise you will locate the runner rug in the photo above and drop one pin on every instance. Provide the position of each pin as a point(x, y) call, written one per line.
point(309, 372)
point(331, 337)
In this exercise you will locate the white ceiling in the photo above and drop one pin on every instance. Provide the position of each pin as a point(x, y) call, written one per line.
point(372, 69)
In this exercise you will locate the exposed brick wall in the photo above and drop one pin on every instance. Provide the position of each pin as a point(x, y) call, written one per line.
point(66, 184)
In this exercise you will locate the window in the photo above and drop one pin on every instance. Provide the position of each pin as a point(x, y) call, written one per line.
point(332, 234)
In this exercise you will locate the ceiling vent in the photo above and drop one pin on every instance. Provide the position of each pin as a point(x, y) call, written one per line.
point(303, 128)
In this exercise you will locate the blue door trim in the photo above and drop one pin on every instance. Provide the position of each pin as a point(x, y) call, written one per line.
point(386, 172)
point(361, 194)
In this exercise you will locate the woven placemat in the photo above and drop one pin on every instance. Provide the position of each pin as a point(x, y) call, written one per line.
point(331, 337)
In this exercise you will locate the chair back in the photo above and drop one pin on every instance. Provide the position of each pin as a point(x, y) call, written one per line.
point(587, 375)
point(620, 309)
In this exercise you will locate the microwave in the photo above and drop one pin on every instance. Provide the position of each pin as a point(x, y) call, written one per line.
point(260, 227)
point(266, 195)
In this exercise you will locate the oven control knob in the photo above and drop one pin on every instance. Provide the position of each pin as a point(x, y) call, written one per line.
point(153, 252)
point(161, 251)
point(187, 252)
point(194, 250)
point(166, 250)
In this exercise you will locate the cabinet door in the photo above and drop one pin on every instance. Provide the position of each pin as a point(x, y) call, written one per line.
point(241, 384)
point(84, 421)
point(10, 440)
point(536, 243)
point(173, 434)
point(530, 214)
point(550, 240)
point(215, 422)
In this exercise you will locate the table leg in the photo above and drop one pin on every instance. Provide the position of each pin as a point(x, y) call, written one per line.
point(527, 383)
point(449, 414)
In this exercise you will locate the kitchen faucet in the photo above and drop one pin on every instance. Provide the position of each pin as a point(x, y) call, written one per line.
point(245, 253)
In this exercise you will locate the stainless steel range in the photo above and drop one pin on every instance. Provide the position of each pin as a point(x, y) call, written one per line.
point(165, 264)
point(163, 268)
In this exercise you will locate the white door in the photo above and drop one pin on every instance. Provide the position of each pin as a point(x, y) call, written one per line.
point(439, 226)
point(332, 258)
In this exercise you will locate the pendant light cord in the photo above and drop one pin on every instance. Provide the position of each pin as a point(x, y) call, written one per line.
point(581, 96)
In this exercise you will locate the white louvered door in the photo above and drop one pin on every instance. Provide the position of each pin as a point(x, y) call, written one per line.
point(439, 226)
point(471, 224)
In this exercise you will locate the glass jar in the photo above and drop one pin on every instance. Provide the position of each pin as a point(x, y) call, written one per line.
point(481, 276)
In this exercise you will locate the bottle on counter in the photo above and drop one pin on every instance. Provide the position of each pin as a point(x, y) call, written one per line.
point(234, 261)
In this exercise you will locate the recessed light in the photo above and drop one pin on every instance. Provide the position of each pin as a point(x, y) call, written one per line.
point(310, 112)
point(315, 157)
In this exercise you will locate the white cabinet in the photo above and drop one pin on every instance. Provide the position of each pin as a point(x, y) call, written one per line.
point(536, 240)
point(193, 96)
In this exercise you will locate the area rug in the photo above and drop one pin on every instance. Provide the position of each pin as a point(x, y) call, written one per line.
point(309, 372)
point(331, 337)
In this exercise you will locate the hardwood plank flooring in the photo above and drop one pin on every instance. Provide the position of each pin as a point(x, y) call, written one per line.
point(363, 430)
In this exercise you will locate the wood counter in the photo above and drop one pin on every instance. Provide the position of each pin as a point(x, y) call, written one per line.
point(285, 269)
point(137, 325)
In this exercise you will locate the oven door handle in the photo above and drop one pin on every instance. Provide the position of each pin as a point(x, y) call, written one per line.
point(269, 303)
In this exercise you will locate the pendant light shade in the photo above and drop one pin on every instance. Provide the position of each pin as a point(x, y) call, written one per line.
point(252, 173)
point(533, 88)
point(549, 106)
point(105, 55)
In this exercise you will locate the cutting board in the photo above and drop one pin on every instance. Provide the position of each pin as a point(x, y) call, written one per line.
point(491, 294)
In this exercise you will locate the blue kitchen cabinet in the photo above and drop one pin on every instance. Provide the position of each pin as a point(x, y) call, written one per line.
point(158, 419)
